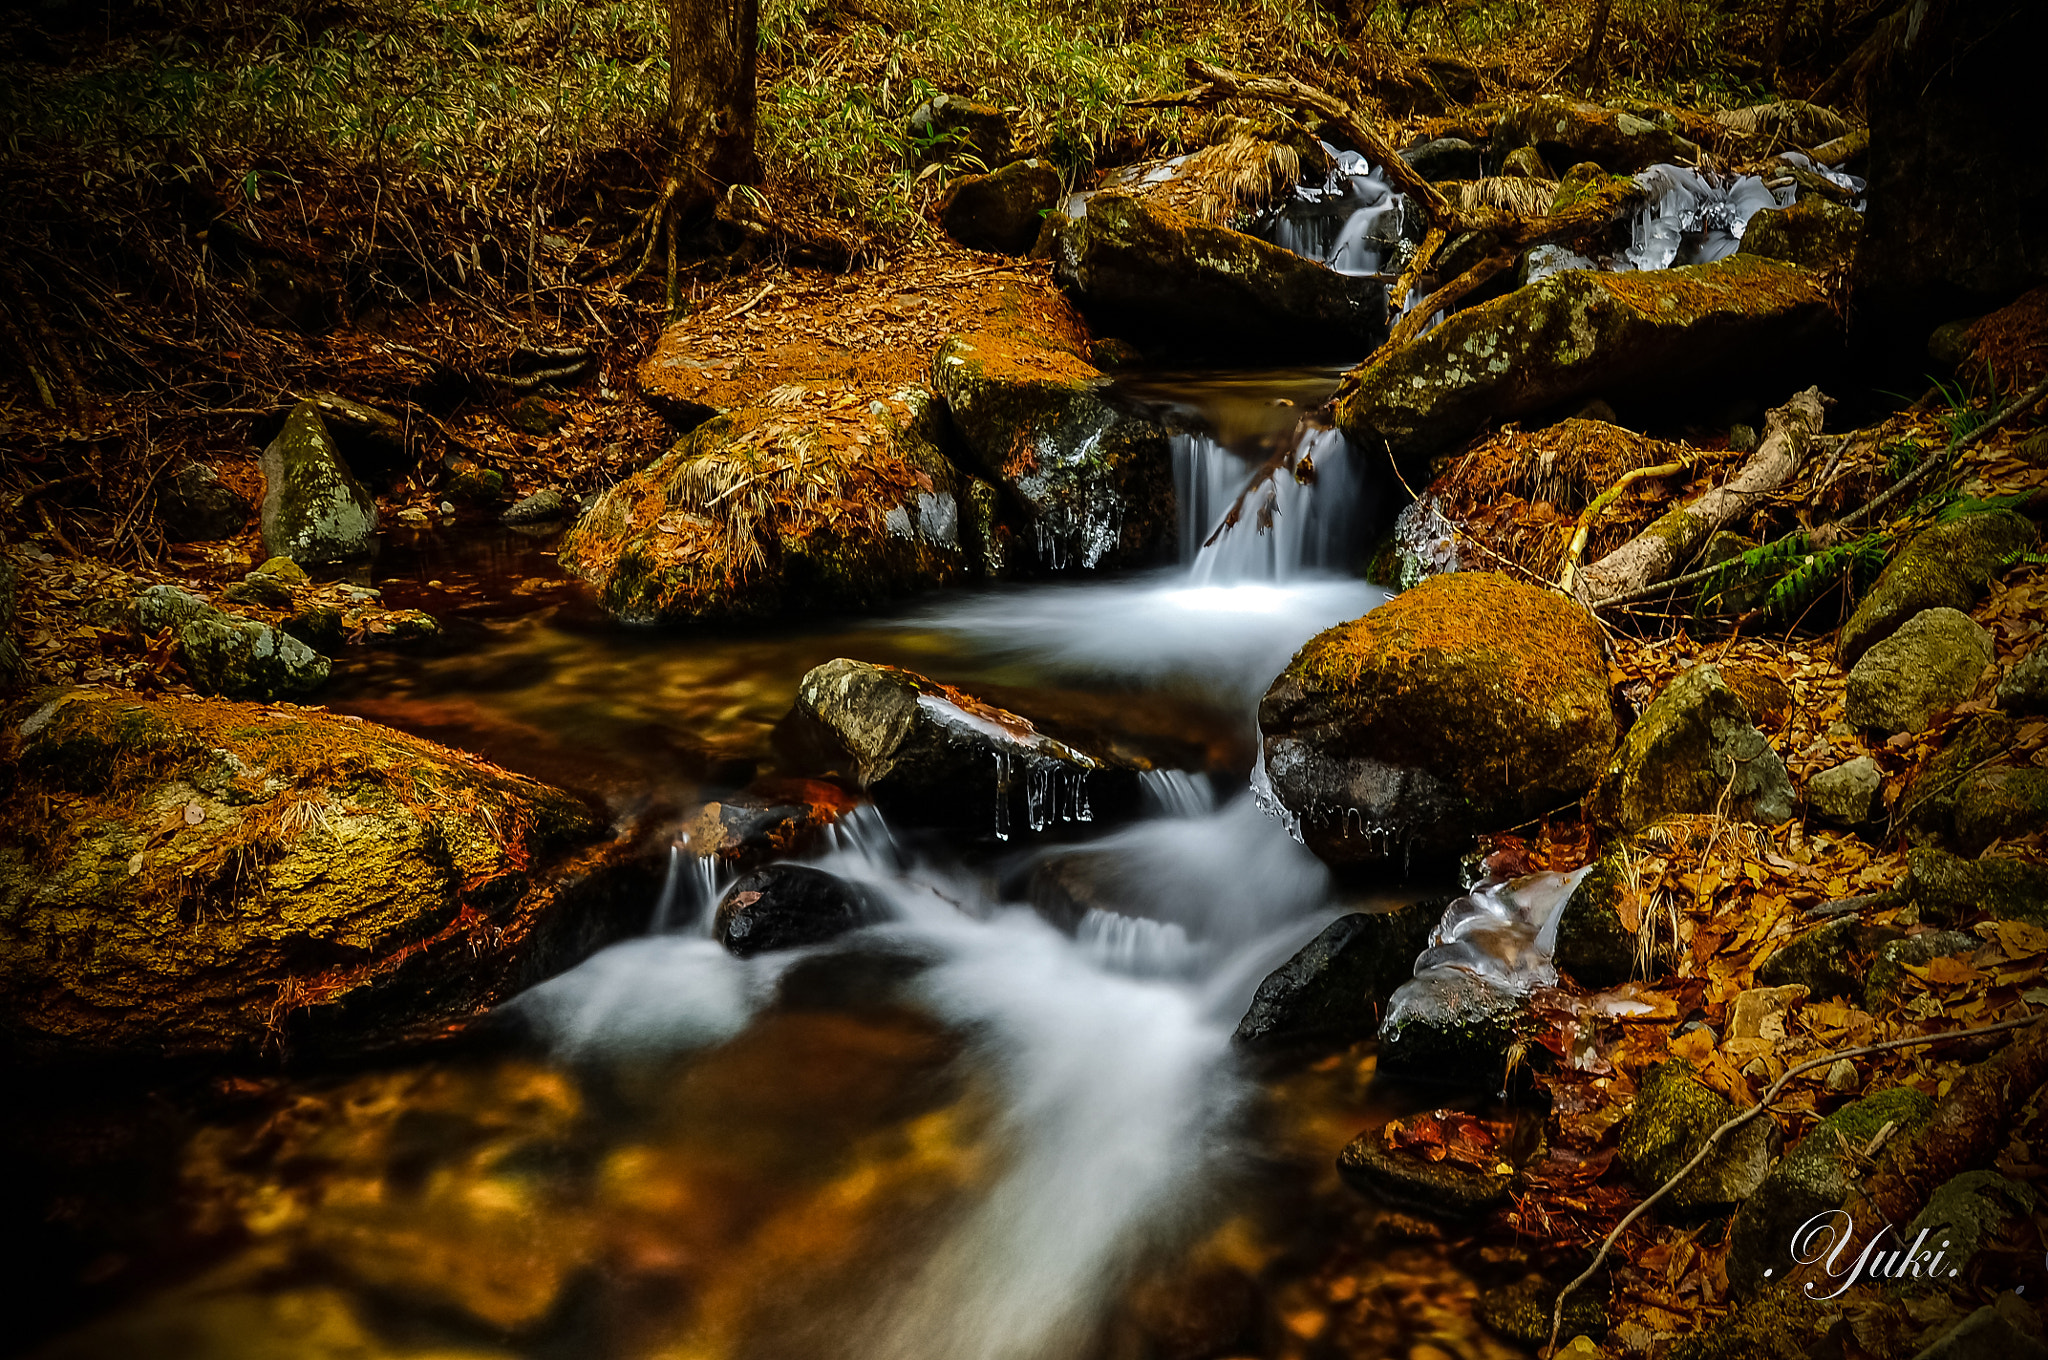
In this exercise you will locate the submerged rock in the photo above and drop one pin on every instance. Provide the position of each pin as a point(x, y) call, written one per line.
point(941, 757)
point(1096, 482)
point(1568, 131)
point(786, 906)
point(1003, 211)
point(197, 506)
point(1574, 335)
point(1443, 1189)
point(1186, 284)
point(314, 509)
point(769, 819)
point(1928, 666)
point(217, 877)
point(1946, 566)
point(1467, 704)
point(1694, 750)
point(1674, 1112)
point(542, 507)
point(1332, 991)
point(822, 496)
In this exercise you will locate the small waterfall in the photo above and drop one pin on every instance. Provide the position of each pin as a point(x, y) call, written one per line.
point(1351, 222)
point(1176, 793)
point(1136, 945)
point(1295, 517)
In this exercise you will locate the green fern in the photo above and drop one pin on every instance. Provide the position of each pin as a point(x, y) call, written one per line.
point(1981, 505)
point(2022, 557)
point(1855, 562)
point(1766, 561)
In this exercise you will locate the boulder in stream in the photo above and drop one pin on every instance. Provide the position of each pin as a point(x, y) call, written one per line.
point(1467, 704)
point(314, 509)
point(1441, 1189)
point(786, 906)
point(1694, 750)
point(1332, 991)
point(198, 876)
point(1812, 233)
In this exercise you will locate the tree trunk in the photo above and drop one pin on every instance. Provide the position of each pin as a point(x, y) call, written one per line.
point(713, 49)
point(1591, 73)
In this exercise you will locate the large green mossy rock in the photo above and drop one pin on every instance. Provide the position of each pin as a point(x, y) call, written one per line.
point(1094, 483)
point(1568, 131)
point(227, 655)
point(1180, 283)
point(198, 876)
point(1467, 704)
point(314, 509)
point(1574, 335)
point(1674, 1111)
point(820, 496)
point(1694, 750)
point(1928, 666)
point(1945, 566)
point(1812, 233)
point(1815, 1176)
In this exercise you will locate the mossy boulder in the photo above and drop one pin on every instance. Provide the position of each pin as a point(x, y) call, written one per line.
point(1694, 750)
point(1927, 667)
point(224, 654)
point(1442, 1189)
point(1521, 1312)
point(197, 876)
point(2006, 803)
point(1945, 566)
point(1332, 991)
point(1574, 335)
point(1593, 943)
point(1467, 704)
point(951, 127)
point(1178, 283)
point(1674, 1111)
point(1927, 808)
point(2024, 688)
point(314, 509)
point(820, 496)
point(1813, 233)
point(1444, 158)
point(1095, 482)
point(1846, 794)
point(1816, 1176)
point(1950, 890)
point(1567, 131)
point(1003, 211)
point(1829, 961)
point(197, 506)
point(1967, 1214)
point(787, 906)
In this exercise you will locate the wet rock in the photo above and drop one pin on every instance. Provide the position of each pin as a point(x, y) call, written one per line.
point(1521, 1312)
point(1674, 1112)
point(1816, 1176)
point(1886, 981)
point(320, 626)
point(471, 483)
point(2005, 1330)
point(1567, 131)
point(1928, 666)
point(246, 659)
point(1464, 705)
point(1999, 804)
point(1332, 991)
point(1681, 755)
point(1813, 233)
point(373, 442)
point(1946, 566)
point(769, 819)
point(542, 507)
point(314, 509)
point(1593, 943)
point(197, 506)
point(1458, 1031)
point(1829, 961)
point(1846, 794)
point(937, 756)
point(1571, 336)
point(787, 906)
point(1444, 158)
point(1445, 1189)
point(2024, 688)
point(823, 496)
point(1175, 281)
point(1967, 1214)
point(952, 128)
point(260, 589)
point(1524, 163)
point(1003, 211)
point(167, 606)
point(245, 876)
point(1949, 889)
point(1095, 481)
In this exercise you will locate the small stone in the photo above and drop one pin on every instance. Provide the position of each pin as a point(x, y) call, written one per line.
point(1674, 1112)
point(1760, 1012)
point(785, 906)
point(1694, 750)
point(197, 506)
point(2025, 687)
point(194, 814)
point(448, 508)
point(282, 569)
point(1524, 162)
point(1847, 794)
point(1842, 1078)
point(543, 505)
point(268, 592)
point(1444, 158)
point(1443, 1189)
point(1886, 981)
point(1927, 667)
point(953, 128)
point(535, 416)
point(1742, 439)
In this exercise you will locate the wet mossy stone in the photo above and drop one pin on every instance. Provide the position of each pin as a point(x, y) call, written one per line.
point(2024, 688)
point(202, 876)
point(1885, 983)
point(1812, 233)
point(167, 606)
point(1967, 1214)
point(1467, 704)
point(1574, 335)
point(319, 626)
point(1694, 750)
point(260, 589)
point(1592, 943)
point(787, 906)
point(820, 496)
point(1846, 794)
point(1000, 212)
point(1931, 664)
point(1948, 565)
point(1817, 1175)
point(1332, 991)
point(1828, 960)
point(246, 659)
point(1950, 890)
point(1095, 482)
point(2007, 803)
point(1457, 1033)
point(1567, 131)
point(1444, 158)
point(950, 128)
point(314, 509)
point(1674, 1111)
point(1927, 809)
point(1183, 285)
point(542, 507)
point(1521, 1312)
point(197, 506)
point(1525, 163)
point(1443, 1189)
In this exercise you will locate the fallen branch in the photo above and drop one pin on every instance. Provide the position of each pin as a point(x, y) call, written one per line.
point(1415, 324)
point(1599, 504)
point(1737, 1121)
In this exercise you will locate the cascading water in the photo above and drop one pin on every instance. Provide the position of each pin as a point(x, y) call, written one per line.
point(1351, 222)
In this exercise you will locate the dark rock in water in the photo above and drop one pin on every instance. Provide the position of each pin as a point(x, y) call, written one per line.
point(314, 510)
point(951, 128)
point(1064, 887)
point(1003, 211)
point(542, 507)
point(1927, 667)
point(320, 626)
point(1458, 1034)
point(1681, 755)
point(1173, 280)
point(1445, 1189)
point(1096, 482)
point(2024, 687)
point(1521, 1312)
point(1332, 991)
point(1467, 704)
point(849, 978)
point(1946, 566)
point(1814, 1177)
point(785, 906)
point(769, 819)
point(1829, 961)
point(1813, 233)
point(939, 757)
point(1885, 982)
point(1593, 945)
point(1576, 334)
point(1444, 158)
point(373, 442)
point(1567, 131)
point(197, 506)
point(1674, 1112)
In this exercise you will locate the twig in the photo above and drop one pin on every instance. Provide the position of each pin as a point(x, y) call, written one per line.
point(1599, 503)
point(1918, 474)
point(1730, 1125)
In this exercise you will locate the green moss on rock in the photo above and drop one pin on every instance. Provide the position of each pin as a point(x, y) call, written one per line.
point(1694, 750)
point(1674, 1112)
point(314, 509)
point(1948, 565)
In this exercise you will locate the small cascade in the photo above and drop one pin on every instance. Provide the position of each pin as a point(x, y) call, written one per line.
point(1351, 222)
point(1176, 793)
point(665, 905)
point(1293, 517)
point(864, 834)
point(1136, 945)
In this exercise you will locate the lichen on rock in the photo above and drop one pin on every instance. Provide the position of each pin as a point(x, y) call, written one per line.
point(1694, 750)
